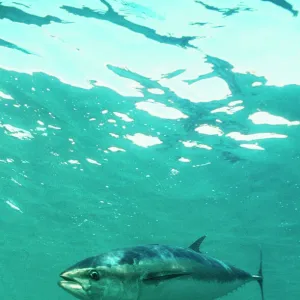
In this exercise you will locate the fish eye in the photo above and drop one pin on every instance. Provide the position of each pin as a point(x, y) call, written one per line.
point(94, 275)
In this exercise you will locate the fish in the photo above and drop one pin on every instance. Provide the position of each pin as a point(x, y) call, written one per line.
point(155, 272)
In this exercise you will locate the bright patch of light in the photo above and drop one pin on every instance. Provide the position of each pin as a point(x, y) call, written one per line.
point(183, 159)
point(206, 90)
point(13, 206)
point(160, 110)
point(114, 135)
point(227, 110)
point(261, 117)
point(156, 91)
point(115, 149)
point(256, 136)
point(230, 109)
point(201, 165)
point(8, 160)
point(190, 144)
point(74, 162)
point(256, 83)
point(124, 117)
point(72, 141)
point(210, 130)
point(233, 103)
point(174, 172)
point(40, 128)
point(54, 127)
point(17, 132)
point(252, 146)
point(122, 85)
point(143, 140)
point(92, 161)
point(15, 181)
point(5, 96)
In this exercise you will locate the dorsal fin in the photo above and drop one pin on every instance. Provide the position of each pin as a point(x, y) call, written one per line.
point(196, 245)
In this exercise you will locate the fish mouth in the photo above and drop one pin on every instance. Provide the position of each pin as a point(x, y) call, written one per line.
point(72, 286)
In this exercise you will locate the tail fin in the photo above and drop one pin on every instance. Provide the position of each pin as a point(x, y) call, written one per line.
point(260, 277)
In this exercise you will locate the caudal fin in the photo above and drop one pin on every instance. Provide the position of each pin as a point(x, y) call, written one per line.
point(260, 277)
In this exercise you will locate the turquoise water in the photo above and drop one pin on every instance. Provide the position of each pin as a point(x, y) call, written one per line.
point(126, 123)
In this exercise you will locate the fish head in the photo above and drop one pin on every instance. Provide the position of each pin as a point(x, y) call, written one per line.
point(88, 281)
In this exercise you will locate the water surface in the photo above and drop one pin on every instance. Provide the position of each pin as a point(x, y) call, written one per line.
point(126, 123)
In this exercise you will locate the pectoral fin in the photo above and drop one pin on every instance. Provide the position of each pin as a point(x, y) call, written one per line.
point(155, 278)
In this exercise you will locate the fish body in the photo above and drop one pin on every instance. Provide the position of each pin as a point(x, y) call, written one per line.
point(154, 271)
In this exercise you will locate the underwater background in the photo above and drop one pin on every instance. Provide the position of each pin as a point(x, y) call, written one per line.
point(135, 122)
